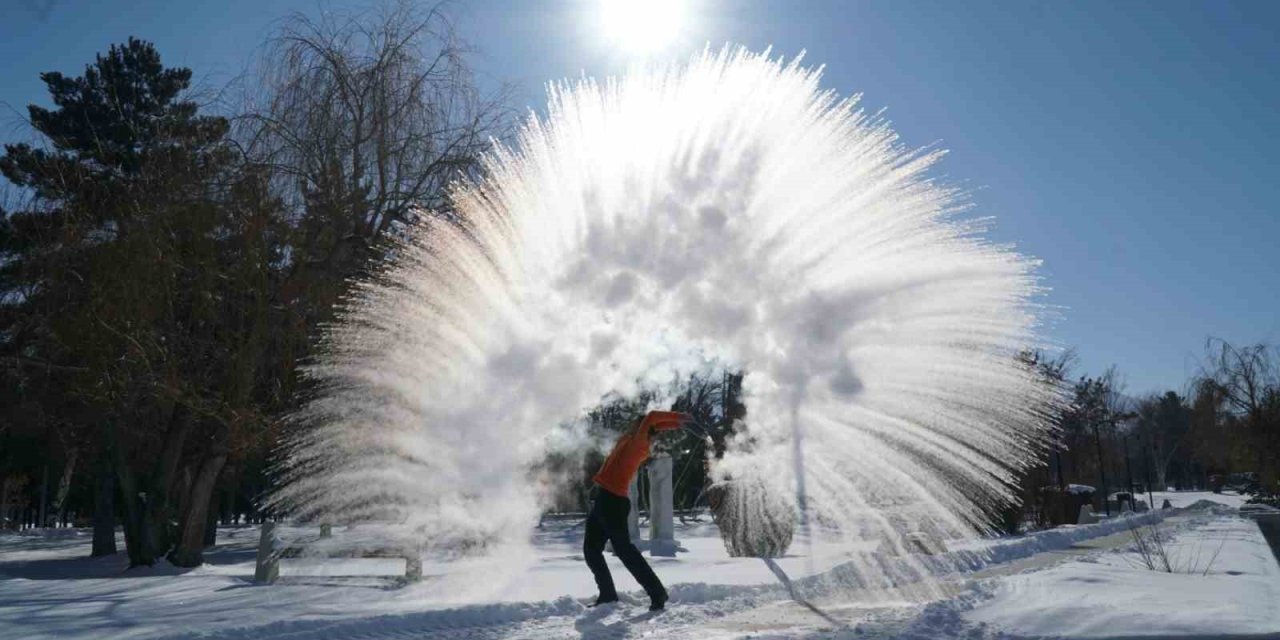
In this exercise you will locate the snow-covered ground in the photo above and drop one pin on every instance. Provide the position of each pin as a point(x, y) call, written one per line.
point(1180, 499)
point(1070, 582)
point(1225, 582)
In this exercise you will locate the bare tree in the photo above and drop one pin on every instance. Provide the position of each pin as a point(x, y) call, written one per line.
point(366, 118)
point(1243, 385)
point(1247, 377)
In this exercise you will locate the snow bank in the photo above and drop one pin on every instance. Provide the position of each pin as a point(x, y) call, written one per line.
point(974, 556)
point(851, 576)
point(1230, 586)
point(1183, 499)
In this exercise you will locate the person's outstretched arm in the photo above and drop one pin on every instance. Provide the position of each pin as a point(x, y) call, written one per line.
point(664, 420)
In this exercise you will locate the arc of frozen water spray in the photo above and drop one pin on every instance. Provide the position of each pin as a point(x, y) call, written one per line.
point(726, 210)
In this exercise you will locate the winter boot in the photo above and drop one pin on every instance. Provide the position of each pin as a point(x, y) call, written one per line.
point(657, 602)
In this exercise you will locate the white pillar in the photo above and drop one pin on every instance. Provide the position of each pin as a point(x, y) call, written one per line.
point(413, 566)
point(662, 527)
point(633, 516)
point(268, 567)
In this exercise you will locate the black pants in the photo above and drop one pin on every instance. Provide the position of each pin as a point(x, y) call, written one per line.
point(608, 522)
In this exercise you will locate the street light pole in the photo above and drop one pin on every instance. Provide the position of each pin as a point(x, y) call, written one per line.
point(1102, 471)
point(1147, 475)
point(1124, 441)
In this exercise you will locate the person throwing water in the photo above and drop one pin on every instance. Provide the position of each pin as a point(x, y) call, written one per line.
point(607, 521)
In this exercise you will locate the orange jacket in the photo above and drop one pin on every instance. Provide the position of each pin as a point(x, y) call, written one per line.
point(632, 450)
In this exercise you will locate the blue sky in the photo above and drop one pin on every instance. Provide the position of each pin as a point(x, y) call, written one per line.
point(1131, 146)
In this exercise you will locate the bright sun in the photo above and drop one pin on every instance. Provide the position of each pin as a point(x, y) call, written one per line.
point(641, 26)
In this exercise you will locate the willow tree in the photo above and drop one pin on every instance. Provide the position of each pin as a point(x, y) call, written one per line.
point(365, 117)
point(1243, 384)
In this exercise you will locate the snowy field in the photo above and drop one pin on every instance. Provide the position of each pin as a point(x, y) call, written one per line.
point(1079, 582)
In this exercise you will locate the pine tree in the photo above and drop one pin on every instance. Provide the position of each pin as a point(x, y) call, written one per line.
point(144, 266)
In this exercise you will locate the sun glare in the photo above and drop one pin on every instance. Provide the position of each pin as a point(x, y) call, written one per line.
point(641, 26)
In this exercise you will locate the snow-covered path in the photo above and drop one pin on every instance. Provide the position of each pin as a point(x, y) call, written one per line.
point(49, 590)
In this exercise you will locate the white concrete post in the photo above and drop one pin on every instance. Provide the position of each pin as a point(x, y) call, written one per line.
point(633, 516)
point(413, 566)
point(662, 528)
point(268, 568)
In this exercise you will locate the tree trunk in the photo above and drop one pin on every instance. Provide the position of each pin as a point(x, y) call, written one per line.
point(190, 549)
point(228, 507)
point(104, 515)
point(148, 510)
point(211, 526)
point(44, 494)
point(4, 504)
point(162, 511)
point(139, 538)
point(139, 531)
point(180, 501)
point(64, 484)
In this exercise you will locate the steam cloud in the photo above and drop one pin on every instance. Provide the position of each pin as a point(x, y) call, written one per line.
point(726, 210)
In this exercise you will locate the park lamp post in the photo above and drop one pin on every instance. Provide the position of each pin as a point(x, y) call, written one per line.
point(1102, 470)
point(1128, 467)
point(1146, 470)
point(1124, 442)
